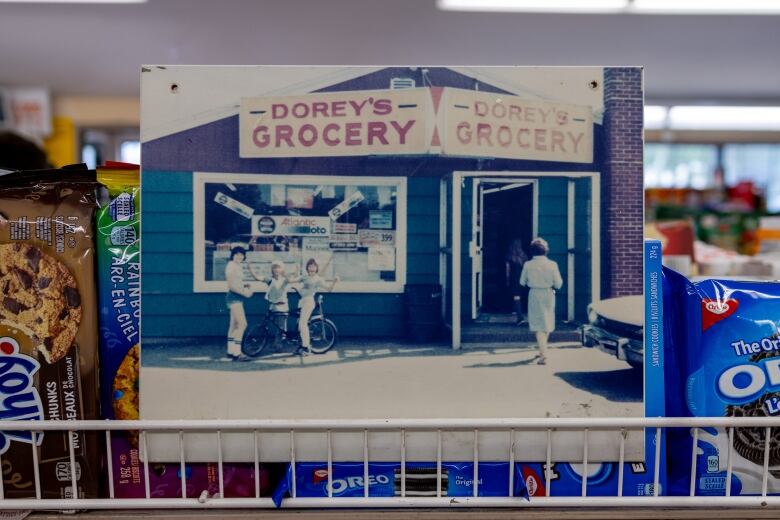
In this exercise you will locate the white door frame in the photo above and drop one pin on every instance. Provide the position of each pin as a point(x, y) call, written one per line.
point(478, 228)
point(458, 181)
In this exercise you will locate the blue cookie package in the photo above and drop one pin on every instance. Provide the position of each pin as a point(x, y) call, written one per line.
point(722, 342)
point(384, 480)
point(311, 480)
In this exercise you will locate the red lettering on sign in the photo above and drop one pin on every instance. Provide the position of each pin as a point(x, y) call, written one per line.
point(520, 142)
point(300, 110)
point(377, 130)
point(260, 136)
point(402, 130)
point(382, 107)
point(463, 131)
point(330, 141)
point(279, 111)
point(319, 107)
point(539, 139)
point(352, 137)
point(312, 131)
point(338, 108)
point(284, 133)
point(358, 107)
point(557, 139)
point(575, 139)
point(544, 113)
point(483, 132)
point(480, 108)
point(499, 110)
point(504, 136)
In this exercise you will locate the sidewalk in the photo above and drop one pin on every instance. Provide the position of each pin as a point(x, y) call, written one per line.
point(483, 380)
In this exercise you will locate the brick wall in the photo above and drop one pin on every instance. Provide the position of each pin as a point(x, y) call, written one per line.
point(621, 189)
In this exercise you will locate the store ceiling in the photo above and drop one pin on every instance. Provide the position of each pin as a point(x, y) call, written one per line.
point(98, 49)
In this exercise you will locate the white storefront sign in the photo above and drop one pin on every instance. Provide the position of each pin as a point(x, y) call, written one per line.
point(273, 225)
point(486, 124)
point(366, 122)
point(372, 237)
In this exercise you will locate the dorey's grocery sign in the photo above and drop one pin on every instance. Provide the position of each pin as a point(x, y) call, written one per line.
point(495, 125)
point(335, 124)
point(417, 121)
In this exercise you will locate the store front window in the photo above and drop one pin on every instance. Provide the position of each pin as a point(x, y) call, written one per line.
point(757, 163)
point(354, 227)
point(680, 165)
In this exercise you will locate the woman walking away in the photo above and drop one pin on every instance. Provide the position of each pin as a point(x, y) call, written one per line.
point(237, 293)
point(515, 258)
point(542, 277)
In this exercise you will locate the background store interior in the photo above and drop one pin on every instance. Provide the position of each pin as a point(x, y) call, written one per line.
point(712, 80)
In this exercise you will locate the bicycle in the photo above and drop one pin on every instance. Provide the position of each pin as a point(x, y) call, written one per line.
point(323, 332)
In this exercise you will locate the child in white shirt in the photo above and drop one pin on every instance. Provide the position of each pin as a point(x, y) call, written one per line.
point(238, 292)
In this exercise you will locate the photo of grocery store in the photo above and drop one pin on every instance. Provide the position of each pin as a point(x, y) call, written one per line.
point(411, 185)
point(388, 232)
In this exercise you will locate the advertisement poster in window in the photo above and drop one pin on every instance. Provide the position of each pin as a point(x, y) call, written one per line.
point(447, 250)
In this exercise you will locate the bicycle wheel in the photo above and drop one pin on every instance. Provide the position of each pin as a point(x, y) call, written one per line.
point(323, 335)
point(255, 339)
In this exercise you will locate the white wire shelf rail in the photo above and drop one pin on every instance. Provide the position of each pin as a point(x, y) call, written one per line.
point(513, 427)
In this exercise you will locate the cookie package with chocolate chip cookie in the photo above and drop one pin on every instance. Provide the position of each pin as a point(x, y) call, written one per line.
point(119, 303)
point(48, 327)
point(722, 341)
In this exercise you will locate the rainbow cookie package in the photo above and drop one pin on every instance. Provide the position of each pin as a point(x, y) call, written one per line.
point(119, 282)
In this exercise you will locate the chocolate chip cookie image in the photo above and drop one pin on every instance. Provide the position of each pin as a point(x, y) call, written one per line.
point(749, 442)
point(125, 388)
point(38, 293)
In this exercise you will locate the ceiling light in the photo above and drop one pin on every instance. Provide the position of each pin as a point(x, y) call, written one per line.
point(73, 1)
point(569, 6)
point(705, 6)
point(675, 7)
point(750, 118)
point(655, 117)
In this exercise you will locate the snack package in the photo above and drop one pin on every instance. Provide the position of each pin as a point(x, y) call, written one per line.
point(165, 479)
point(118, 241)
point(48, 328)
point(723, 351)
point(384, 480)
point(119, 290)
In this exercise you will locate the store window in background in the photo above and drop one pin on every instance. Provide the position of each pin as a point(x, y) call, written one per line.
point(723, 190)
point(728, 176)
point(680, 165)
point(756, 163)
point(99, 145)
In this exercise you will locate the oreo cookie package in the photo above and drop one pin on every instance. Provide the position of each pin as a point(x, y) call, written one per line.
point(385, 479)
point(723, 359)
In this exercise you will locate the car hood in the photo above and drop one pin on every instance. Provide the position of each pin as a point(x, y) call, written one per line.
point(626, 309)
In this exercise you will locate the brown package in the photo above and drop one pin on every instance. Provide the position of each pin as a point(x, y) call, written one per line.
point(48, 328)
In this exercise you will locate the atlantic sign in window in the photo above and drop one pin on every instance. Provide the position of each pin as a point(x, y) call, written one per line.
point(354, 227)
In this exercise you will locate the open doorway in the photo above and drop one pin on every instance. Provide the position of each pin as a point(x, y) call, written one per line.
point(508, 214)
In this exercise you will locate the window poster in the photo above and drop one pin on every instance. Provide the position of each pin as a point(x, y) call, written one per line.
point(469, 247)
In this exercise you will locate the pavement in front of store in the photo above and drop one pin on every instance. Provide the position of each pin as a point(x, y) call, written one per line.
point(390, 380)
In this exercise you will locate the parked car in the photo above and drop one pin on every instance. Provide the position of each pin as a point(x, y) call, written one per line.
point(616, 326)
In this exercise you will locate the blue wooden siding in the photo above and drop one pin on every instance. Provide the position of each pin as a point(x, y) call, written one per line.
point(173, 310)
